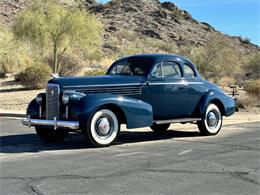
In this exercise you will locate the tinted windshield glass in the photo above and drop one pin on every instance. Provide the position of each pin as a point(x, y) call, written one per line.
point(131, 67)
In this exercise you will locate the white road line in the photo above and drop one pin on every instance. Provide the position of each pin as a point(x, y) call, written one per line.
point(184, 152)
point(128, 154)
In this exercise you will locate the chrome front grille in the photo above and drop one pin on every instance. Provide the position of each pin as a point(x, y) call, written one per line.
point(119, 90)
point(52, 101)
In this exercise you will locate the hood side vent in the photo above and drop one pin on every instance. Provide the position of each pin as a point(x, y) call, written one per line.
point(119, 90)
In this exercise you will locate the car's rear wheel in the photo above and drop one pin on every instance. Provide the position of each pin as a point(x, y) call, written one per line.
point(160, 129)
point(51, 135)
point(103, 128)
point(211, 122)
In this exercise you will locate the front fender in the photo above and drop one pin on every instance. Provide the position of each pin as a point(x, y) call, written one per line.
point(137, 113)
point(226, 104)
point(33, 109)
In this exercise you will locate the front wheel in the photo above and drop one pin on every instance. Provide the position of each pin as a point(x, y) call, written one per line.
point(51, 135)
point(211, 122)
point(103, 128)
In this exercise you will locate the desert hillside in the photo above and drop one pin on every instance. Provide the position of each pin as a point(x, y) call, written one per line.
point(143, 18)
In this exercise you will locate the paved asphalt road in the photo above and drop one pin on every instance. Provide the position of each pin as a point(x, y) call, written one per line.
point(181, 162)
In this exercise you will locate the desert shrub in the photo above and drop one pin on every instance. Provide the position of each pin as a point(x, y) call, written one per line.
point(2, 74)
point(253, 67)
point(49, 24)
point(245, 40)
point(95, 72)
point(35, 77)
point(70, 64)
point(227, 81)
point(127, 34)
point(253, 88)
point(246, 102)
point(158, 45)
point(13, 54)
point(216, 58)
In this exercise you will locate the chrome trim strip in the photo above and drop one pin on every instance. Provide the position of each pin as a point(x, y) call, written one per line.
point(177, 83)
point(40, 111)
point(131, 84)
point(53, 123)
point(104, 85)
point(67, 112)
point(181, 120)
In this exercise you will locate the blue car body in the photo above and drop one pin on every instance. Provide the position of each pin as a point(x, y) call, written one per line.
point(140, 99)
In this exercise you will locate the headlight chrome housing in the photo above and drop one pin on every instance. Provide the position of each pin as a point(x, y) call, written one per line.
point(65, 98)
point(39, 99)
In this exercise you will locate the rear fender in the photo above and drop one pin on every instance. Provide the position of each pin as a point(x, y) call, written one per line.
point(136, 112)
point(226, 104)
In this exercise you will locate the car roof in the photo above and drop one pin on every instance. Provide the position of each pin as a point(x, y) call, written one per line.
point(157, 56)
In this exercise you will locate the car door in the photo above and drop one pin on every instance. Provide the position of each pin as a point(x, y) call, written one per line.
point(193, 90)
point(166, 90)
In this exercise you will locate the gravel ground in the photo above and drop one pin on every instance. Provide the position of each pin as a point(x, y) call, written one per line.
point(15, 97)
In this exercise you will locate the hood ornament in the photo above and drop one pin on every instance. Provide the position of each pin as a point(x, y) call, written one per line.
point(55, 75)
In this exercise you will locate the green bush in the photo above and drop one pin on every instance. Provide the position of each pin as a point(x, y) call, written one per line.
point(35, 77)
point(253, 88)
point(13, 54)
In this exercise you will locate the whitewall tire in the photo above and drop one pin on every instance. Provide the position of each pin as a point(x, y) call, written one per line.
point(211, 122)
point(103, 128)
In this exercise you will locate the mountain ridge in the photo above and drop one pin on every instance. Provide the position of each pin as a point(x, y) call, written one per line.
point(147, 18)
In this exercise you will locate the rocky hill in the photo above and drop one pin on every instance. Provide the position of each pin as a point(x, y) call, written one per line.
point(146, 18)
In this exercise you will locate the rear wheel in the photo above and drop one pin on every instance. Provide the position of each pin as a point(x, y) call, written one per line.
point(211, 122)
point(51, 135)
point(160, 129)
point(103, 128)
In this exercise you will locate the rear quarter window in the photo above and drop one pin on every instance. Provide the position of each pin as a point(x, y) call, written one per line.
point(188, 71)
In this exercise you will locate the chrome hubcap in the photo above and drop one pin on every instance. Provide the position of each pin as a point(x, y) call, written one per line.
point(103, 126)
point(212, 119)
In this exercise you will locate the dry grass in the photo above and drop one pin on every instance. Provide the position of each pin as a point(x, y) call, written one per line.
point(247, 102)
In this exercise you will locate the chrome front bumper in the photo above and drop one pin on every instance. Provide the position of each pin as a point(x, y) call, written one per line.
point(51, 123)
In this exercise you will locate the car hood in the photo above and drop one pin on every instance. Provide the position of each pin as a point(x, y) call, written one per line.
point(97, 81)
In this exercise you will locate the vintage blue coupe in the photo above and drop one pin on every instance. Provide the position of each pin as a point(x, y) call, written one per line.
point(142, 90)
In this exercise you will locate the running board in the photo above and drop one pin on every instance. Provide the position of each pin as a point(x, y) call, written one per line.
point(181, 120)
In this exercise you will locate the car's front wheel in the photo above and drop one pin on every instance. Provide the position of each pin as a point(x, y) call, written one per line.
point(211, 122)
point(160, 129)
point(51, 135)
point(103, 128)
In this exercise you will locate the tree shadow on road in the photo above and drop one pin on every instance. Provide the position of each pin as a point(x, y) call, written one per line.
point(31, 143)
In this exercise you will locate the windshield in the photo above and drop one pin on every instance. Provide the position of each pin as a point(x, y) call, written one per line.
point(139, 67)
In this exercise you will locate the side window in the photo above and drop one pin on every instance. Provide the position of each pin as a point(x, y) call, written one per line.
point(121, 68)
point(171, 69)
point(188, 71)
point(157, 70)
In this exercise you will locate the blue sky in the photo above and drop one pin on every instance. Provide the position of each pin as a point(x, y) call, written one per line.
point(233, 17)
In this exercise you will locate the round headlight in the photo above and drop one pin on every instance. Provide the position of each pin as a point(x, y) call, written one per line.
point(39, 99)
point(65, 98)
